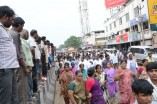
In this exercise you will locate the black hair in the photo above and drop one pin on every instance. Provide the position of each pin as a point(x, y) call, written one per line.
point(142, 86)
point(43, 38)
point(81, 65)
point(107, 55)
point(6, 10)
point(90, 71)
point(101, 55)
point(60, 64)
point(151, 65)
point(47, 42)
point(123, 61)
point(144, 60)
point(66, 64)
point(33, 32)
point(51, 44)
point(38, 39)
point(77, 72)
point(18, 21)
point(72, 63)
point(96, 67)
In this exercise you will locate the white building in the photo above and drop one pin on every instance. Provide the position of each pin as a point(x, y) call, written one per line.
point(96, 39)
point(130, 26)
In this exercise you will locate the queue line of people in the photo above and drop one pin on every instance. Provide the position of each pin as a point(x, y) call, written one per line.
point(24, 60)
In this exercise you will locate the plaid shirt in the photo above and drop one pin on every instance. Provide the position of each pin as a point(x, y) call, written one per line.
point(8, 55)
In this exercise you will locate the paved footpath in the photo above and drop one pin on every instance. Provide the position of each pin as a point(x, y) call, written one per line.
point(58, 99)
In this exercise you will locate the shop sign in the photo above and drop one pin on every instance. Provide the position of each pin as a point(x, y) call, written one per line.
point(118, 38)
point(114, 3)
point(152, 8)
point(122, 38)
point(125, 37)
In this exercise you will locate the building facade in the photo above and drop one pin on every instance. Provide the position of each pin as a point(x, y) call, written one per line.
point(129, 26)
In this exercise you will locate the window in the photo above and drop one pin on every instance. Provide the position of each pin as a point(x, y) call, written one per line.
point(136, 11)
point(114, 24)
point(137, 50)
point(127, 29)
point(120, 21)
point(145, 25)
point(110, 26)
point(132, 50)
point(127, 17)
point(135, 28)
point(142, 51)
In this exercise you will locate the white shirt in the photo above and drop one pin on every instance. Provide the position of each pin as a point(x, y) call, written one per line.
point(42, 45)
point(37, 52)
point(115, 58)
point(154, 92)
point(100, 62)
point(31, 42)
point(95, 62)
point(111, 56)
point(8, 55)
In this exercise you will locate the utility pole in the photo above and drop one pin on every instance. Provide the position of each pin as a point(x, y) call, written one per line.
point(140, 22)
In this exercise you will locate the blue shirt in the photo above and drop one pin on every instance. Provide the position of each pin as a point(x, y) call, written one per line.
point(84, 73)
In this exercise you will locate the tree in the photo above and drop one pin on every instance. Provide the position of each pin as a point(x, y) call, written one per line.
point(73, 41)
point(61, 47)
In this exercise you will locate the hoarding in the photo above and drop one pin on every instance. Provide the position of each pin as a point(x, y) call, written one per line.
point(118, 38)
point(122, 38)
point(114, 3)
point(152, 9)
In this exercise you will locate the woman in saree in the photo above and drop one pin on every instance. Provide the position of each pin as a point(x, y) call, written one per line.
point(76, 89)
point(142, 74)
point(124, 77)
point(93, 89)
point(74, 69)
point(65, 79)
point(111, 83)
point(101, 77)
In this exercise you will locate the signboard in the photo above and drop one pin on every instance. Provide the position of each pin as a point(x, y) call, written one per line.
point(122, 38)
point(118, 38)
point(114, 3)
point(152, 9)
point(125, 37)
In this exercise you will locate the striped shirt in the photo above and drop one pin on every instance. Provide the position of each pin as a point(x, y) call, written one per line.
point(8, 56)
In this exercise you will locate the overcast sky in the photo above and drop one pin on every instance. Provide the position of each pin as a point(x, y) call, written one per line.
point(57, 19)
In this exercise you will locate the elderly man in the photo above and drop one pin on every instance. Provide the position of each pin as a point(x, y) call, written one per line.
point(22, 72)
point(8, 59)
point(29, 62)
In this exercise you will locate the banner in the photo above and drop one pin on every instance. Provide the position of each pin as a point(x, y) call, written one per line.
point(118, 38)
point(122, 38)
point(114, 3)
point(152, 8)
point(125, 37)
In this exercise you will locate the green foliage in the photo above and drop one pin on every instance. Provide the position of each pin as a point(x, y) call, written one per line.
point(72, 41)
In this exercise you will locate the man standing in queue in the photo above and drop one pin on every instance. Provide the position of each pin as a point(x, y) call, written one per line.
point(21, 72)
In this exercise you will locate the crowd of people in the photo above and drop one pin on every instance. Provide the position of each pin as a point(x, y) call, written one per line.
point(84, 78)
point(89, 78)
point(24, 60)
